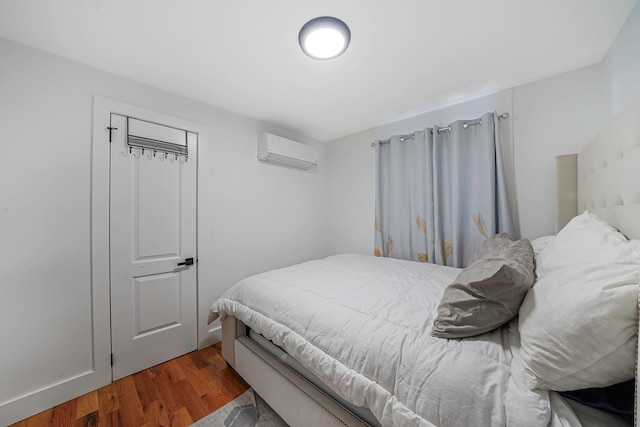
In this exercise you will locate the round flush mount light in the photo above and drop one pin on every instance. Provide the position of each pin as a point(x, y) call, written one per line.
point(324, 38)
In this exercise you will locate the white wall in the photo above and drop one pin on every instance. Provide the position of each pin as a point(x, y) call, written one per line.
point(553, 116)
point(350, 171)
point(622, 63)
point(261, 216)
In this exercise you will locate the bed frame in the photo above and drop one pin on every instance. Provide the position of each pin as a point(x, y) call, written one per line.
point(603, 178)
point(294, 398)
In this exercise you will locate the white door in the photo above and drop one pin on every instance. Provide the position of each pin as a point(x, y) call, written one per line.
point(152, 232)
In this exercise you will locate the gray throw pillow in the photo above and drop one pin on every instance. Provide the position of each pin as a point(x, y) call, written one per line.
point(490, 245)
point(489, 292)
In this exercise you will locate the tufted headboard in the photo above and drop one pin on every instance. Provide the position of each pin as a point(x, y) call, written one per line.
point(608, 178)
point(608, 175)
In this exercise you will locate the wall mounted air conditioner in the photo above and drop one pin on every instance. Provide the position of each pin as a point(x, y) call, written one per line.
point(285, 152)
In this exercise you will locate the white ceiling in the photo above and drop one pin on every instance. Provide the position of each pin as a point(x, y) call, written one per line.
point(406, 56)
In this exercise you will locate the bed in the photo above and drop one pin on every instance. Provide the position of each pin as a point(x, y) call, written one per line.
point(353, 340)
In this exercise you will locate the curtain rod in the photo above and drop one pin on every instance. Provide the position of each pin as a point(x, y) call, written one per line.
point(465, 125)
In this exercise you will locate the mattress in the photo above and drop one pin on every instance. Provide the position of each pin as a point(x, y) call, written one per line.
point(564, 409)
point(362, 325)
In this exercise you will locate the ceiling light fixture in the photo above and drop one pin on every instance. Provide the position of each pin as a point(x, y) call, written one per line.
point(325, 37)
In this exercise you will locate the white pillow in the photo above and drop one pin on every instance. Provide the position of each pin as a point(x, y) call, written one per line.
point(578, 324)
point(538, 244)
point(585, 240)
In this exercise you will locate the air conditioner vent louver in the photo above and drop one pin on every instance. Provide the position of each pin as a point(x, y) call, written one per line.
point(285, 152)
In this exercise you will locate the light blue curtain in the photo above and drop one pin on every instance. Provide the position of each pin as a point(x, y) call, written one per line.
point(441, 192)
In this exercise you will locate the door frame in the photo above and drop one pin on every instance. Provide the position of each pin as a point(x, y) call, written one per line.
point(100, 265)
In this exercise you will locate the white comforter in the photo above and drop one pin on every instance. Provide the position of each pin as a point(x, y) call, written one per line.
point(362, 325)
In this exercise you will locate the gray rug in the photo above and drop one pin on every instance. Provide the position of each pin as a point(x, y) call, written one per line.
point(247, 410)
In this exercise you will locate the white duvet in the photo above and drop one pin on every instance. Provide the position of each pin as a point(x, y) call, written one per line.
point(362, 325)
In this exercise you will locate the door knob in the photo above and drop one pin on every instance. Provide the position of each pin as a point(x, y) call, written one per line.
point(187, 261)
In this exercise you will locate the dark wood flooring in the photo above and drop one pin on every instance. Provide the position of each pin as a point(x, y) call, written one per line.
point(175, 393)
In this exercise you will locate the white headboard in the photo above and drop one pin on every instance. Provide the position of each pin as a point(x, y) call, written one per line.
point(609, 172)
point(608, 181)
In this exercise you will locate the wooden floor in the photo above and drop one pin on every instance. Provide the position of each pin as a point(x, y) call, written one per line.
point(175, 393)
